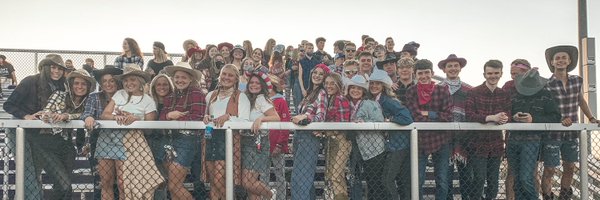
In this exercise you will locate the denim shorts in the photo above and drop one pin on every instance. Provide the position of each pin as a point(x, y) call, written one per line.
point(253, 158)
point(568, 150)
point(185, 146)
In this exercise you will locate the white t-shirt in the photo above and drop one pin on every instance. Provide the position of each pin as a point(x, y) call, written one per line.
point(260, 107)
point(137, 105)
point(219, 107)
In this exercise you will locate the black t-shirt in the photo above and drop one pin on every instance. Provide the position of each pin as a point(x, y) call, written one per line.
point(6, 70)
point(156, 67)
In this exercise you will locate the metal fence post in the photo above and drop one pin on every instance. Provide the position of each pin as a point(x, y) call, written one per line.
point(20, 164)
point(5, 188)
point(229, 164)
point(414, 164)
point(583, 164)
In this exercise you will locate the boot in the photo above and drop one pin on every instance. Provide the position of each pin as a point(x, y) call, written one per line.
point(565, 193)
point(548, 196)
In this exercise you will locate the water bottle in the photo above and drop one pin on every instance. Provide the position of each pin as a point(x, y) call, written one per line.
point(209, 129)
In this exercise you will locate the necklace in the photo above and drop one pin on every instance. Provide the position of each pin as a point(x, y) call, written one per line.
point(226, 93)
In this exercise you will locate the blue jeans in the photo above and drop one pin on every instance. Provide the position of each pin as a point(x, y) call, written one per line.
point(485, 169)
point(297, 91)
point(440, 163)
point(522, 159)
point(306, 152)
point(33, 188)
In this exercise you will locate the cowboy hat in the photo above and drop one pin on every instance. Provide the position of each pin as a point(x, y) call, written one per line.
point(133, 69)
point(389, 58)
point(570, 50)
point(81, 73)
point(185, 67)
point(381, 76)
point(51, 59)
point(358, 80)
point(452, 58)
point(530, 83)
point(108, 69)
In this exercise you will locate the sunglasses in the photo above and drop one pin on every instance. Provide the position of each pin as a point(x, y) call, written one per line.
point(350, 50)
point(365, 60)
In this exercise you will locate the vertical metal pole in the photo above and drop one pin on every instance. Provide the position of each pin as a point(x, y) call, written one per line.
point(229, 164)
point(414, 164)
point(20, 164)
point(583, 164)
point(6, 172)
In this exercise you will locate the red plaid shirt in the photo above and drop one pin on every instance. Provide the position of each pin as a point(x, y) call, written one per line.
point(482, 102)
point(338, 109)
point(192, 100)
point(431, 141)
point(316, 109)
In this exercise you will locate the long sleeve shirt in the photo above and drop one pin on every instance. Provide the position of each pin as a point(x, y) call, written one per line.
point(338, 109)
point(439, 110)
point(93, 106)
point(543, 109)
point(399, 114)
point(370, 143)
point(316, 110)
point(25, 99)
point(191, 100)
point(280, 137)
point(480, 103)
point(122, 60)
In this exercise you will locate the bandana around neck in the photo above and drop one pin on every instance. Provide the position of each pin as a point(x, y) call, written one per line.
point(453, 85)
point(424, 91)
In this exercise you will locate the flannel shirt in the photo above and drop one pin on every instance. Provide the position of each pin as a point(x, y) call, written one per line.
point(57, 104)
point(338, 109)
point(121, 60)
point(480, 103)
point(93, 106)
point(543, 109)
point(401, 91)
point(195, 104)
point(509, 87)
point(439, 109)
point(316, 110)
point(568, 103)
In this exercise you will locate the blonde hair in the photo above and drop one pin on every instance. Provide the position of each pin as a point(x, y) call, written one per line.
point(153, 83)
point(219, 87)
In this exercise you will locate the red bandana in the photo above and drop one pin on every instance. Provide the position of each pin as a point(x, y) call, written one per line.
point(424, 91)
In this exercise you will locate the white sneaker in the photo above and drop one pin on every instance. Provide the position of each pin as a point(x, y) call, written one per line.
point(274, 192)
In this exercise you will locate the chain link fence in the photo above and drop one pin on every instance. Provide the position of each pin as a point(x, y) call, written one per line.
point(151, 164)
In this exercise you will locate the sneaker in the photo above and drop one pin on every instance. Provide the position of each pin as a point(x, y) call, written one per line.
point(274, 194)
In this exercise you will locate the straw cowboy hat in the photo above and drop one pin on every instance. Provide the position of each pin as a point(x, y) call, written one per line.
point(51, 59)
point(81, 73)
point(133, 69)
point(185, 67)
point(530, 83)
point(570, 50)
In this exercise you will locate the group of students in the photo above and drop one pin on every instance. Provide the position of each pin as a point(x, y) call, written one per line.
point(226, 83)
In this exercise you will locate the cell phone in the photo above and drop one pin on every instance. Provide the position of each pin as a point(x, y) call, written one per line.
point(522, 114)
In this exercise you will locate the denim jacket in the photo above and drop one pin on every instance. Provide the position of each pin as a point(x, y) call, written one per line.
point(399, 114)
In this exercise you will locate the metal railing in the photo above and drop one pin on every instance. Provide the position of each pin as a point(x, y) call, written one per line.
point(415, 127)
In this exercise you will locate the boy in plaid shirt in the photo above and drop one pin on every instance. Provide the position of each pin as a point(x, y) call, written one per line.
point(566, 89)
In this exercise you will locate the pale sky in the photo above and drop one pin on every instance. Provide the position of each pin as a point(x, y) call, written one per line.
point(476, 30)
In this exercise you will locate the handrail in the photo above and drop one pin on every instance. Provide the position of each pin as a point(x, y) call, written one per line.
point(364, 126)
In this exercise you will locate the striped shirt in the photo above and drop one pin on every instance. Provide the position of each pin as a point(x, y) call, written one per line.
point(568, 103)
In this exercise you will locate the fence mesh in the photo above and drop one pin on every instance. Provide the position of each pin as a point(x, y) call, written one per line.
point(176, 164)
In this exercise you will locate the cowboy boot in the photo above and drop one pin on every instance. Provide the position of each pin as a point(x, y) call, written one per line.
point(565, 193)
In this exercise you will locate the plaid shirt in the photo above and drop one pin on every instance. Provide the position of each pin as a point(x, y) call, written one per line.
point(338, 109)
point(440, 104)
point(568, 103)
point(57, 104)
point(93, 106)
point(543, 109)
point(121, 60)
point(480, 103)
point(401, 91)
point(191, 99)
point(317, 109)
